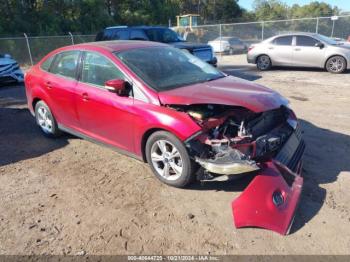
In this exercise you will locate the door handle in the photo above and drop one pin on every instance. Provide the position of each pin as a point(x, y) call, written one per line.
point(48, 84)
point(270, 48)
point(297, 49)
point(85, 97)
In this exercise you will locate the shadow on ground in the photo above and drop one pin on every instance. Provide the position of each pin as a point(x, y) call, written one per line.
point(21, 138)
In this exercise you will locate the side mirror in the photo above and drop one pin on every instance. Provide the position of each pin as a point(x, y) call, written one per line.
point(117, 86)
point(320, 45)
point(7, 56)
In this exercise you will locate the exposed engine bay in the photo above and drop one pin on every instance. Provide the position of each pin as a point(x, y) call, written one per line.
point(235, 140)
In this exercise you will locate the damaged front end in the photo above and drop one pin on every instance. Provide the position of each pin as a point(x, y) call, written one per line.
point(235, 141)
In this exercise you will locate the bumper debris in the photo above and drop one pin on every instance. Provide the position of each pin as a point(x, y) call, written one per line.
point(270, 200)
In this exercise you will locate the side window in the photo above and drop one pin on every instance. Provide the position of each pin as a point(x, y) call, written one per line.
point(138, 35)
point(66, 64)
point(107, 35)
point(306, 41)
point(283, 40)
point(97, 69)
point(121, 35)
point(46, 64)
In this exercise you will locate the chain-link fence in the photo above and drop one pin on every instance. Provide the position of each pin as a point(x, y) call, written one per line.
point(252, 32)
point(29, 50)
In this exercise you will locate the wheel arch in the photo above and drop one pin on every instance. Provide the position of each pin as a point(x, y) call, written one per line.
point(35, 101)
point(145, 137)
point(256, 59)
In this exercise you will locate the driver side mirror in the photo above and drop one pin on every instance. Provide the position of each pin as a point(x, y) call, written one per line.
point(320, 45)
point(118, 86)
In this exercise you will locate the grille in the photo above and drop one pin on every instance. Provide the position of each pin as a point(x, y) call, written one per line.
point(293, 150)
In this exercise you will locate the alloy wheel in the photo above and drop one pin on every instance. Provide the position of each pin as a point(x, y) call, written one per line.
point(263, 62)
point(166, 160)
point(336, 64)
point(44, 119)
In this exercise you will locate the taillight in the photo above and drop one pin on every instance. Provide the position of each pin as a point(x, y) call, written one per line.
point(250, 48)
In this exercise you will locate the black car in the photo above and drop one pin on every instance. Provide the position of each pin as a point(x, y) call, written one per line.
point(157, 34)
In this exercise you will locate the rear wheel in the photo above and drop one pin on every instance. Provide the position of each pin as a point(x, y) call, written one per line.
point(263, 63)
point(336, 64)
point(231, 51)
point(46, 120)
point(169, 160)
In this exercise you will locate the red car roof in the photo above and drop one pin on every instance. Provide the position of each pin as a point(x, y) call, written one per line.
point(117, 45)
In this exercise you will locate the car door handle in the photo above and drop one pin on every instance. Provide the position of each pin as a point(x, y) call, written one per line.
point(48, 84)
point(85, 97)
point(270, 48)
point(297, 49)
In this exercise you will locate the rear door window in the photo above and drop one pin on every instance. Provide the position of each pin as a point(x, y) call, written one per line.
point(66, 64)
point(283, 40)
point(137, 34)
point(121, 34)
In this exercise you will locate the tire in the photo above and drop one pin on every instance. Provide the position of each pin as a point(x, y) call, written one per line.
point(177, 170)
point(45, 120)
point(336, 64)
point(263, 63)
point(231, 51)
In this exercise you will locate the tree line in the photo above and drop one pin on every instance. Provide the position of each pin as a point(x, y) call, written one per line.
point(54, 17)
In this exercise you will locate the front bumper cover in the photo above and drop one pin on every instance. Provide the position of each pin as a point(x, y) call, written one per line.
point(270, 200)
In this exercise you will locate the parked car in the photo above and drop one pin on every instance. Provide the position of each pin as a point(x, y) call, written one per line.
point(9, 70)
point(229, 45)
point(183, 117)
point(301, 50)
point(157, 34)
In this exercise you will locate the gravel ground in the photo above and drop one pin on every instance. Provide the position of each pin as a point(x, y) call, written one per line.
point(69, 196)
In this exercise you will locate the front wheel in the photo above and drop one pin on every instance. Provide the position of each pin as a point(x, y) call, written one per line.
point(169, 160)
point(336, 64)
point(263, 63)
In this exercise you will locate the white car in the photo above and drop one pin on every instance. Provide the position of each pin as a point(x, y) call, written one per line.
point(9, 70)
point(228, 45)
point(300, 50)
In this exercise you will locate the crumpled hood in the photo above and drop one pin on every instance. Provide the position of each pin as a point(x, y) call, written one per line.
point(225, 91)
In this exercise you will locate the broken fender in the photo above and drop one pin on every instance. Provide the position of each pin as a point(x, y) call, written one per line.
point(270, 200)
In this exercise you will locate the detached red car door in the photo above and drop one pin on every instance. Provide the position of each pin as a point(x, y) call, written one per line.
point(103, 115)
point(60, 84)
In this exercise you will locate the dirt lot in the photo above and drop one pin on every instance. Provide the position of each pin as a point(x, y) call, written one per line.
point(69, 196)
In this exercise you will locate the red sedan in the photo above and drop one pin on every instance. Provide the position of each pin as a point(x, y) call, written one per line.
point(162, 105)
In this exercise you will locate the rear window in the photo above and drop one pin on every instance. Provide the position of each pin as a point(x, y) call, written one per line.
point(283, 40)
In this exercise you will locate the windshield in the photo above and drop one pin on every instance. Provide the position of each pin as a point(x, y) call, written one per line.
point(327, 40)
point(163, 35)
point(165, 68)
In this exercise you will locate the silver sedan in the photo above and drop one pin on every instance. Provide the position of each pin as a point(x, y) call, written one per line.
point(300, 50)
